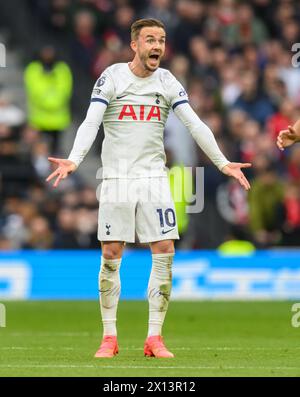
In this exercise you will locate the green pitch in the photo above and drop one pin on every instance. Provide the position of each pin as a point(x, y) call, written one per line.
point(208, 339)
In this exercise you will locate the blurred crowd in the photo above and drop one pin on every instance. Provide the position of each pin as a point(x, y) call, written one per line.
point(235, 59)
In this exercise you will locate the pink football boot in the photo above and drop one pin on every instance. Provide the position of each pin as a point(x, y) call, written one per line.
point(154, 347)
point(109, 347)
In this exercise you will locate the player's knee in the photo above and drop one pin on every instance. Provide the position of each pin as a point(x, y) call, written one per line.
point(112, 251)
point(111, 254)
point(163, 247)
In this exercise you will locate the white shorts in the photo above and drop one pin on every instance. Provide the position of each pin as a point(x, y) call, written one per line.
point(142, 206)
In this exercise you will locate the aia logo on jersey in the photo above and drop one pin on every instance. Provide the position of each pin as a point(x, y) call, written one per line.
point(139, 113)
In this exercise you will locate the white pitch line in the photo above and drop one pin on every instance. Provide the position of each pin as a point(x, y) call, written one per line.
point(153, 367)
point(51, 334)
point(73, 348)
point(227, 348)
point(35, 348)
point(206, 348)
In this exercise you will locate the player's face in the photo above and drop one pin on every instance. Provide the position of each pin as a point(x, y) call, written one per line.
point(150, 47)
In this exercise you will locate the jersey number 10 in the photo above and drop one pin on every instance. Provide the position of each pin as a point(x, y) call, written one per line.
point(166, 217)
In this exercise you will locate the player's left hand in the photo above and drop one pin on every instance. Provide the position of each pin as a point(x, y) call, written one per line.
point(287, 138)
point(234, 170)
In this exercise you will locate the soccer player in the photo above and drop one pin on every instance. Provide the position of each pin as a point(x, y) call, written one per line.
point(133, 101)
point(289, 137)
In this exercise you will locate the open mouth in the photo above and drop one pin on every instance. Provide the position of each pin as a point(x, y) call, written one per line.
point(154, 56)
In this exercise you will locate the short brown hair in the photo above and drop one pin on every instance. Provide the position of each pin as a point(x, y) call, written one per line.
point(138, 25)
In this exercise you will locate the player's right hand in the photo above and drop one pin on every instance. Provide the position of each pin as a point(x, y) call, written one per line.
point(234, 170)
point(65, 167)
point(287, 138)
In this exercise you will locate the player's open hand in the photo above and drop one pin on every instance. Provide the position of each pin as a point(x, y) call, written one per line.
point(234, 170)
point(65, 167)
point(287, 138)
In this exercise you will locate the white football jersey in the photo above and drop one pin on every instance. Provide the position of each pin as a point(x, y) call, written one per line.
point(134, 121)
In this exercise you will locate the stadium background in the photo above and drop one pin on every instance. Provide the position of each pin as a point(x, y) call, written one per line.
point(234, 58)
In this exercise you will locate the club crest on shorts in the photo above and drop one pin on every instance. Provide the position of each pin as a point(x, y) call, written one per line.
point(107, 225)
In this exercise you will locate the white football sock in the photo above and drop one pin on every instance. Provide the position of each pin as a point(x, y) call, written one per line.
point(109, 293)
point(159, 290)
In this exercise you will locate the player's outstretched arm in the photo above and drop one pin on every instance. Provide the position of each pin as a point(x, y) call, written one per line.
point(87, 131)
point(289, 136)
point(234, 170)
point(207, 142)
point(64, 168)
point(85, 137)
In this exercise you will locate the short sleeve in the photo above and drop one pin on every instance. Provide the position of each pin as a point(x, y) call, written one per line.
point(178, 94)
point(103, 89)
